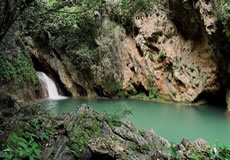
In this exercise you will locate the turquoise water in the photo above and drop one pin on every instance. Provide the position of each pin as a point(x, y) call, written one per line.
point(170, 121)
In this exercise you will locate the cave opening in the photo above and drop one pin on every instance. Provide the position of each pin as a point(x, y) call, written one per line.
point(213, 99)
point(140, 88)
point(43, 66)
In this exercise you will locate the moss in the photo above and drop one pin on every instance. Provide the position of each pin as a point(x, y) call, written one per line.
point(161, 55)
point(191, 69)
point(177, 66)
point(112, 120)
point(167, 74)
point(85, 128)
point(206, 79)
point(151, 56)
point(140, 148)
point(142, 132)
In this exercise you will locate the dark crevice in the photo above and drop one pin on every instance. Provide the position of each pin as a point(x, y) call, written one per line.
point(140, 88)
point(136, 31)
point(56, 53)
point(43, 66)
point(140, 51)
point(180, 83)
point(154, 37)
point(81, 90)
point(99, 91)
point(152, 47)
point(101, 157)
point(216, 99)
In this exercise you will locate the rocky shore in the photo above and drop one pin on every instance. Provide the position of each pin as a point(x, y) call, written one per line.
point(87, 135)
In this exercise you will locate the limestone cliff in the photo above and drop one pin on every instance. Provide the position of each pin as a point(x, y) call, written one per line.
point(169, 55)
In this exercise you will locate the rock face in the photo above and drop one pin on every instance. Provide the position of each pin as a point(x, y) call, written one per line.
point(166, 56)
point(179, 65)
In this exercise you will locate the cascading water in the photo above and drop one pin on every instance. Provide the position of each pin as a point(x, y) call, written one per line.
point(50, 86)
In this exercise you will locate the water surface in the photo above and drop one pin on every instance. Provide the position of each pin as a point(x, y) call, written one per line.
point(170, 121)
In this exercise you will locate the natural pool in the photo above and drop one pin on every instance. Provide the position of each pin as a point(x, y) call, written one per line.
point(170, 121)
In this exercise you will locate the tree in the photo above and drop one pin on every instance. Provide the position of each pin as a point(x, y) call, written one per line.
point(10, 10)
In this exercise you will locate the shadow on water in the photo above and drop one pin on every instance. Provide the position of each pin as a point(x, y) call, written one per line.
point(171, 121)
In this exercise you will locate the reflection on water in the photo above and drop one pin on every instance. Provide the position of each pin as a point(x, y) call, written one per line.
point(171, 121)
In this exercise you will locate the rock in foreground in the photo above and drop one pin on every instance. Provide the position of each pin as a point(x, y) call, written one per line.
point(88, 135)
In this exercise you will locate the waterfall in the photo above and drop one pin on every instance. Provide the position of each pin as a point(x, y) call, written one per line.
point(50, 86)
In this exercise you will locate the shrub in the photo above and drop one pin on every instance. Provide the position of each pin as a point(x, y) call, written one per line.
point(125, 11)
point(21, 148)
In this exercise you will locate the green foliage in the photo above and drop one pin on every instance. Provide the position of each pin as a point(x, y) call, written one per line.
point(82, 58)
point(161, 55)
point(17, 70)
point(115, 118)
point(112, 86)
point(167, 74)
point(125, 11)
point(222, 9)
point(212, 152)
point(15, 64)
point(30, 136)
point(84, 130)
point(122, 94)
point(206, 79)
point(224, 152)
point(196, 156)
point(191, 69)
point(21, 148)
point(173, 151)
point(153, 92)
point(69, 26)
point(227, 34)
point(222, 12)
point(177, 66)
point(41, 133)
point(142, 148)
point(219, 152)
point(141, 95)
point(64, 16)
point(131, 90)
